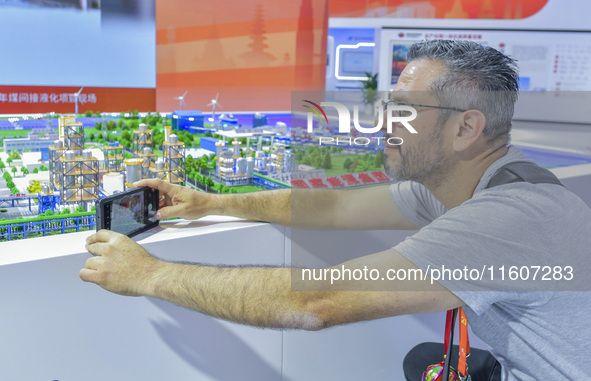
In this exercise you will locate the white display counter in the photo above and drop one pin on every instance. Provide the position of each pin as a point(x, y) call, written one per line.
point(53, 326)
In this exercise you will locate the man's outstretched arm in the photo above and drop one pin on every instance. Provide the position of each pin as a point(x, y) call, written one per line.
point(262, 296)
point(362, 209)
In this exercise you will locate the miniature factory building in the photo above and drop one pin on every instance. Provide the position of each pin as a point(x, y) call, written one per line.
point(231, 168)
point(281, 160)
point(142, 149)
point(186, 120)
point(234, 170)
point(113, 157)
point(141, 138)
point(174, 160)
point(74, 172)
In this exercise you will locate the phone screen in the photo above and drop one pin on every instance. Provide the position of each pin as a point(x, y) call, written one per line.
point(128, 213)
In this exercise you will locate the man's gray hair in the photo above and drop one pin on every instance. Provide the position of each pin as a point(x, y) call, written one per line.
point(477, 77)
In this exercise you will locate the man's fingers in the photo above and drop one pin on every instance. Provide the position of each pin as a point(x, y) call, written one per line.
point(89, 275)
point(169, 212)
point(98, 248)
point(163, 202)
point(162, 186)
point(93, 263)
point(102, 235)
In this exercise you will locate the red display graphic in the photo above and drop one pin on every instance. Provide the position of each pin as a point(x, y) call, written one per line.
point(440, 9)
point(254, 53)
point(44, 99)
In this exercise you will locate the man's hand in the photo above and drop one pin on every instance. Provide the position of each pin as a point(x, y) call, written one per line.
point(119, 264)
point(178, 201)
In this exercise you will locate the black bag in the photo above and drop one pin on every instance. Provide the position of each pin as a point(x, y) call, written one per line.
point(483, 366)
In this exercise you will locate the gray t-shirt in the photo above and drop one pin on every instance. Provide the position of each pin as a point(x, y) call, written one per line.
point(535, 335)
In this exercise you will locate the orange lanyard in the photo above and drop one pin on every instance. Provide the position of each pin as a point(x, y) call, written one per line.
point(464, 341)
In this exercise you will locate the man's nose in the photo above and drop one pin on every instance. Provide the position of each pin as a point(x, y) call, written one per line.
point(395, 124)
point(384, 117)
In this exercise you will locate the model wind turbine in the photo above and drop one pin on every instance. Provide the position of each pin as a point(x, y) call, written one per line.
point(214, 103)
point(76, 96)
point(181, 100)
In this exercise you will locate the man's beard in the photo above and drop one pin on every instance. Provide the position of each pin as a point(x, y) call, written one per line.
point(423, 162)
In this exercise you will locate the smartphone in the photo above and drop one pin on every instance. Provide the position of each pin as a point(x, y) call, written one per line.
point(130, 212)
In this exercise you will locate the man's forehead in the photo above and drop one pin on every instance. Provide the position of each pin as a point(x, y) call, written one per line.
point(422, 70)
point(415, 80)
point(411, 96)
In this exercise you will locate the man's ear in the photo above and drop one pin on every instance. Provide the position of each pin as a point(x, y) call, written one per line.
point(469, 128)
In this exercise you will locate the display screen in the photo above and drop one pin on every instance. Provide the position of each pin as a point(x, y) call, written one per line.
point(548, 60)
point(104, 49)
point(128, 214)
point(356, 63)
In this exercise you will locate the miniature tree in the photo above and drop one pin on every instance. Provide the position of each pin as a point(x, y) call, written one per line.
point(125, 135)
point(2, 165)
point(14, 170)
point(158, 138)
point(9, 160)
point(153, 121)
point(326, 162)
point(35, 170)
point(188, 140)
point(316, 161)
point(35, 187)
point(379, 159)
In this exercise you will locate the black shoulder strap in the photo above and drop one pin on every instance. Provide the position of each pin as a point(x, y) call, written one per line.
point(522, 171)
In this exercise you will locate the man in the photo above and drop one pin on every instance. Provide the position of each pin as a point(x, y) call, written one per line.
point(464, 95)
